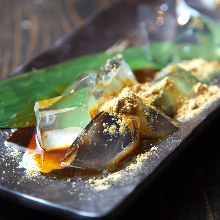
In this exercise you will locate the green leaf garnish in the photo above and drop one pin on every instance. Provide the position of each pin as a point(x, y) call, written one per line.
point(19, 94)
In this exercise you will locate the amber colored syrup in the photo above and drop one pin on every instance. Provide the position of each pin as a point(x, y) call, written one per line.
point(145, 75)
point(46, 161)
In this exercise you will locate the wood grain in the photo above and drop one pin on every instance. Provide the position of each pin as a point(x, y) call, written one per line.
point(29, 27)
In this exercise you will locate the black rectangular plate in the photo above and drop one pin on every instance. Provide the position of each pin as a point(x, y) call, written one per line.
point(80, 198)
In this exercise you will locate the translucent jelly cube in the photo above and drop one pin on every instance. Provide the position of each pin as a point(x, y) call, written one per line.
point(155, 124)
point(101, 147)
point(111, 78)
point(179, 83)
point(182, 79)
point(60, 120)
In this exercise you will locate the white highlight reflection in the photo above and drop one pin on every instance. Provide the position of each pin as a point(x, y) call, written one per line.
point(184, 12)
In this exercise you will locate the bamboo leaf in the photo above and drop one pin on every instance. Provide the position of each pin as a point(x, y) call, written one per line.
point(19, 94)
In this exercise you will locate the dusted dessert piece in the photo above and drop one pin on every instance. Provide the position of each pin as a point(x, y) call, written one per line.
point(159, 124)
point(135, 107)
point(177, 82)
point(103, 143)
point(111, 78)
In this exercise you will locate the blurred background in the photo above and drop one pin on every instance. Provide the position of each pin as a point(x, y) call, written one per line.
point(29, 27)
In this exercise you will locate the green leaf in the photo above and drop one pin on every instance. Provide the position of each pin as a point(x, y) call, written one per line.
point(19, 94)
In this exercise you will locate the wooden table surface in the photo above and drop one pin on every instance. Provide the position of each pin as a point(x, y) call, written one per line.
point(190, 187)
point(29, 27)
